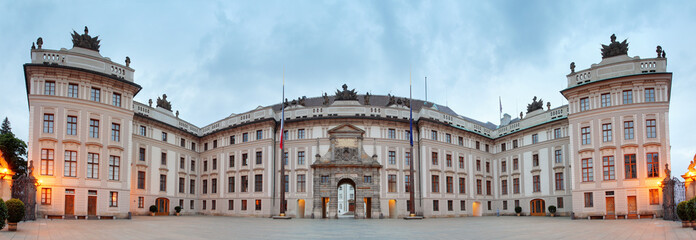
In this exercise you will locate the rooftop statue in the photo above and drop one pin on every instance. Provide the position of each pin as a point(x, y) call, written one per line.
point(615, 48)
point(346, 94)
point(535, 105)
point(163, 103)
point(85, 41)
point(572, 67)
point(659, 51)
point(39, 42)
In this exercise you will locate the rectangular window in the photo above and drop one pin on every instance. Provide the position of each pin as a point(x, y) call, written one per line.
point(258, 183)
point(205, 186)
point(488, 188)
point(113, 199)
point(449, 205)
point(193, 165)
point(487, 148)
point(192, 186)
point(558, 156)
point(606, 99)
point(535, 160)
point(163, 183)
point(182, 162)
point(650, 128)
point(116, 99)
point(587, 170)
point(588, 200)
point(182, 185)
point(366, 179)
point(245, 183)
point(606, 132)
point(143, 130)
point(259, 134)
point(163, 159)
point(231, 161)
point(300, 133)
point(462, 185)
point(50, 88)
point(141, 202)
point(559, 181)
point(462, 205)
point(193, 146)
point(205, 166)
point(407, 183)
point(654, 196)
point(435, 183)
point(245, 137)
point(392, 157)
point(505, 206)
point(213, 185)
point(46, 196)
point(461, 162)
point(536, 183)
point(433, 135)
point(244, 205)
point(503, 166)
point(258, 204)
point(287, 183)
point(164, 136)
point(232, 140)
point(300, 158)
point(48, 123)
point(391, 133)
point(285, 158)
point(515, 164)
point(559, 202)
point(230, 205)
point(653, 165)
point(95, 95)
point(584, 104)
point(585, 133)
point(230, 184)
point(114, 167)
point(488, 167)
point(408, 158)
point(204, 204)
point(71, 127)
point(516, 185)
point(92, 165)
point(244, 159)
point(213, 204)
point(73, 90)
point(141, 180)
point(628, 130)
point(434, 158)
point(436, 205)
point(503, 187)
point(259, 158)
point(191, 204)
point(630, 166)
point(115, 132)
point(478, 145)
point(94, 128)
point(627, 97)
point(301, 183)
point(535, 138)
point(479, 188)
point(461, 141)
point(391, 179)
point(47, 162)
point(514, 143)
point(448, 138)
point(502, 147)
point(608, 168)
point(557, 133)
point(649, 95)
point(448, 160)
point(450, 184)
point(70, 167)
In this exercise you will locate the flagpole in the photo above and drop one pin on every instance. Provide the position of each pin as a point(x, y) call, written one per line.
point(282, 151)
point(411, 176)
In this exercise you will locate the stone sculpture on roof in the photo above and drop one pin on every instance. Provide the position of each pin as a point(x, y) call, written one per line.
point(163, 103)
point(346, 94)
point(615, 48)
point(535, 105)
point(85, 41)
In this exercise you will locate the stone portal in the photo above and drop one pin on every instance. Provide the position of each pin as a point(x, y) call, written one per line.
point(346, 161)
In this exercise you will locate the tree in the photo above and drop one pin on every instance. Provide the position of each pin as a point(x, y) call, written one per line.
point(13, 149)
point(5, 127)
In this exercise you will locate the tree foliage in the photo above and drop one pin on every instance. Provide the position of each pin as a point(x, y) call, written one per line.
point(13, 149)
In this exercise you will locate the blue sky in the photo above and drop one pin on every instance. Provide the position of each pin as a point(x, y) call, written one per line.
point(214, 58)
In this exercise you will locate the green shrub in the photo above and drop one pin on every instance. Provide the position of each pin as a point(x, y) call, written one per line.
point(518, 209)
point(552, 209)
point(153, 209)
point(3, 213)
point(177, 209)
point(681, 210)
point(691, 210)
point(15, 210)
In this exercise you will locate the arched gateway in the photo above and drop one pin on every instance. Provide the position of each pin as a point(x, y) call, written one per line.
point(346, 162)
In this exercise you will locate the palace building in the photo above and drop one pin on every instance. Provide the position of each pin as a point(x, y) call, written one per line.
point(101, 154)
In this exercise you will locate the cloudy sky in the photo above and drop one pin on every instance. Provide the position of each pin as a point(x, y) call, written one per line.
point(214, 58)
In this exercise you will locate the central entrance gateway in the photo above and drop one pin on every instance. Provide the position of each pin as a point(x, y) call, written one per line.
point(346, 168)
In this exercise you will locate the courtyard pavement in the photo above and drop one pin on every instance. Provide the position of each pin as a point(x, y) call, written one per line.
point(214, 227)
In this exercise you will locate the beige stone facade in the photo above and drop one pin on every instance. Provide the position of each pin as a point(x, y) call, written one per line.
point(463, 167)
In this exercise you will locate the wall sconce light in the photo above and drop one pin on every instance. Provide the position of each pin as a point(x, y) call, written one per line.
point(3, 173)
point(38, 182)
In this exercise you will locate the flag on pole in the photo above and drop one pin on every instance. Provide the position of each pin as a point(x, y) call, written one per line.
point(501, 104)
point(282, 114)
point(410, 107)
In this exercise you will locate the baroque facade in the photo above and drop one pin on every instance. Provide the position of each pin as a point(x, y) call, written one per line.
point(99, 153)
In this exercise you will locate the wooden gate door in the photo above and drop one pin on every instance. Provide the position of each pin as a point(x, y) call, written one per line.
point(368, 207)
point(611, 212)
point(69, 205)
point(536, 207)
point(324, 206)
point(162, 206)
point(632, 208)
point(92, 205)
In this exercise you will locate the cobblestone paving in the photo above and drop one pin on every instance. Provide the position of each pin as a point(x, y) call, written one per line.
point(211, 227)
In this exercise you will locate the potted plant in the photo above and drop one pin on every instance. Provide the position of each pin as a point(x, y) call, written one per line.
point(3, 213)
point(178, 210)
point(682, 213)
point(552, 210)
point(15, 213)
point(690, 212)
point(153, 209)
point(518, 210)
